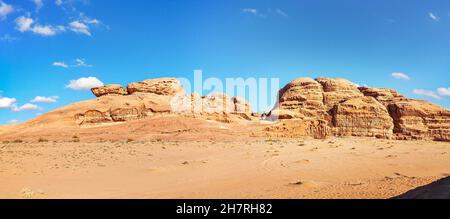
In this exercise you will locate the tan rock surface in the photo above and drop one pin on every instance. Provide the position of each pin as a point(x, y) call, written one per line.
point(160, 86)
point(337, 90)
point(415, 119)
point(362, 116)
point(112, 89)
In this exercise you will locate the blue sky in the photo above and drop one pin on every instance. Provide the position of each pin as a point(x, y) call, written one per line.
point(44, 44)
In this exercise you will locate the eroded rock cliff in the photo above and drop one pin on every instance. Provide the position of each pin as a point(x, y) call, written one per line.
point(348, 110)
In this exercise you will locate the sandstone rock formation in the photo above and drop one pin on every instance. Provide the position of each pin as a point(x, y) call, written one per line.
point(414, 119)
point(316, 108)
point(112, 89)
point(348, 110)
point(160, 86)
point(362, 116)
point(301, 98)
point(159, 96)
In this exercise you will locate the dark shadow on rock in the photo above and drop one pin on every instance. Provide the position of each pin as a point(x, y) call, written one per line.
point(436, 190)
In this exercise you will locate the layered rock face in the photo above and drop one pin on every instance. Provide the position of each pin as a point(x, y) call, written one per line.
point(301, 98)
point(319, 108)
point(362, 116)
point(113, 89)
point(414, 119)
point(160, 86)
point(348, 110)
point(159, 96)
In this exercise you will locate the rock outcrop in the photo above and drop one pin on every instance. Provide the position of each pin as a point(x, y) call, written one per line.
point(362, 116)
point(414, 119)
point(160, 86)
point(383, 95)
point(318, 108)
point(348, 110)
point(301, 98)
point(159, 96)
point(112, 89)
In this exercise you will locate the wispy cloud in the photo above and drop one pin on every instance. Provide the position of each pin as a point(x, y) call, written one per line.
point(281, 12)
point(444, 91)
point(265, 13)
point(80, 28)
point(60, 64)
point(427, 93)
point(250, 11)
point(26, 107)
point(84, 83)
point(79, 62)
point(42, 99)
point(13, 121)
point(5, 9)
point(25, 24)
point(401, 76)
point(8, 38)
point(434, 17)
point(39, 4)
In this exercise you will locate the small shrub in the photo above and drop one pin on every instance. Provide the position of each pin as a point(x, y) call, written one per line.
point(129, 140)
point(42, 140)
point(17, 141)
point(75, 138)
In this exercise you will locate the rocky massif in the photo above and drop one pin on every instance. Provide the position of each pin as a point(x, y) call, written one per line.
point(318, 108)
point(306, 107)
point(324, 107)
point(160, 96)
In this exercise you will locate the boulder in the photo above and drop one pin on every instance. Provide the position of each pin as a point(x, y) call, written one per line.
point(112, 89)
point(160, 86)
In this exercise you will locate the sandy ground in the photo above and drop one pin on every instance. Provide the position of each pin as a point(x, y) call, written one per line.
point(252, 168)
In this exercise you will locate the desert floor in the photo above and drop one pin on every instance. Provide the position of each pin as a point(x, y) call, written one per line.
point(252, 168)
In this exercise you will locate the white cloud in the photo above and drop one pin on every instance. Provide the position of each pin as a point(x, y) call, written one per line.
point(81, 63)
point(250, 11)
point(41, 99)
point(24, 24)
point(281, 12)
point(80, 27)
point(44, 30)
point(84, 83)
point(8, 38)
point(434, 17)
point(444, 91)
point(5, 9)
point(58, 2)
point(25, 107)
point(39, 4)
point(60, 64)
point(13, 121)
point(400, 76)
point(6, 102)
point(77, 63)
point(427, 93)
